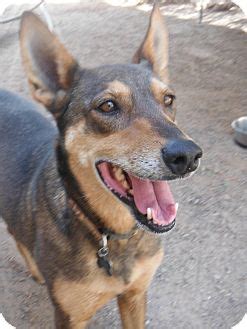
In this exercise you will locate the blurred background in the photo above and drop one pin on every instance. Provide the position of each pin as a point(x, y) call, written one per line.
point(202, 280)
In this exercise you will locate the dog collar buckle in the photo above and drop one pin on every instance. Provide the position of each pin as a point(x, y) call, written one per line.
point(102, 254)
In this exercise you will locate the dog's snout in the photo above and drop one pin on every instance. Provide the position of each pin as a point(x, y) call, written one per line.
point(181, 156)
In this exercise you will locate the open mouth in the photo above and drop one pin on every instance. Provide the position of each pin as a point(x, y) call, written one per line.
point(151, 202)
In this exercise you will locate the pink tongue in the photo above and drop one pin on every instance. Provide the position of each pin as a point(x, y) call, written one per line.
point(156, 195)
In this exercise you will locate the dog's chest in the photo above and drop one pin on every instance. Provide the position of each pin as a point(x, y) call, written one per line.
point(97, 288)
point(132, 262)
point(129, 259)
point(126, 265)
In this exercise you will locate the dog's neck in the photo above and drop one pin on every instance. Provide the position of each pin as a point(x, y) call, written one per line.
point(96, 231)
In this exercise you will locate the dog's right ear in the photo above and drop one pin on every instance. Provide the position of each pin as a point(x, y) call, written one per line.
point(49, 67)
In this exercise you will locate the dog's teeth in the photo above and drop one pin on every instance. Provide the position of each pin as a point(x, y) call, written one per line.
point(149, 213)
point(130, 191)
point(176, 206)
point(118, 172)
point(125, 184)
point(154, 219)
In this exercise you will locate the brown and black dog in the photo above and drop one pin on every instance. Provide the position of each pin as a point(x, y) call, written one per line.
point(81, 200)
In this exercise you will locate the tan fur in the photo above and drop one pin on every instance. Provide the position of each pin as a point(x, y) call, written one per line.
point(119, 88)
point(159, 90)
point(31, 264)
point(132, 302)
point(80, 300)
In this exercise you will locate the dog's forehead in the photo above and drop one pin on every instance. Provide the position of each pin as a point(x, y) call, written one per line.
point(132, 76)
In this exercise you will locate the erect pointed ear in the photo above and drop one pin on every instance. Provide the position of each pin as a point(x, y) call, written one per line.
point(154, 48)
point(49, 67)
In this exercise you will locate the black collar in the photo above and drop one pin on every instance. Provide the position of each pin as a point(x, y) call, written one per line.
point(101, 236)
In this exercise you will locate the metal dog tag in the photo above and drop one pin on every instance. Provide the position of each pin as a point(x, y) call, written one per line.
point(102, 254)
point(104, 262)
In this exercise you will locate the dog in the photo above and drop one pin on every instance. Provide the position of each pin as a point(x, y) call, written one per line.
point(81, 196)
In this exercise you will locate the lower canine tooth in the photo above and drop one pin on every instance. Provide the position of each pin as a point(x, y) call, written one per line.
point(149, 213)
point(176, 206)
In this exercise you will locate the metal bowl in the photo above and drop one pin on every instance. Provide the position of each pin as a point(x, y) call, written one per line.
point(240, 130)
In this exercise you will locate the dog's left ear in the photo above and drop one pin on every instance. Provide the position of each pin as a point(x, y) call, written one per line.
point(49, 67)
point(154, 48)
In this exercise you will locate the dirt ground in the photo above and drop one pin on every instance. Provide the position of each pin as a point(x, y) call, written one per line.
point(202, 281)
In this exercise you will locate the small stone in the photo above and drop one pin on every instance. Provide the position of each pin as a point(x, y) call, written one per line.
point(217, 276)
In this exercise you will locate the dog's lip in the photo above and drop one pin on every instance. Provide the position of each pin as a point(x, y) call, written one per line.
point(141, 218)
point(145, 224)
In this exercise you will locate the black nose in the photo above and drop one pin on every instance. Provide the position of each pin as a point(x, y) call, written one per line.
point(181, 156)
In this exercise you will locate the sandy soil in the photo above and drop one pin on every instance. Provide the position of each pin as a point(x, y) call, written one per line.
point(202, 281)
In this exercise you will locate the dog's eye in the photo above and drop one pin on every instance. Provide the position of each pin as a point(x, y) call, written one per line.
point(107, 107)
point(168, 100)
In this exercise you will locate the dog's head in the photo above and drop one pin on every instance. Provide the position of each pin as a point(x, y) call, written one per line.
point(117, 125)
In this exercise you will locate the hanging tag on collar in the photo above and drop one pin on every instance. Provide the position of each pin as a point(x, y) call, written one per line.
point(102, 254)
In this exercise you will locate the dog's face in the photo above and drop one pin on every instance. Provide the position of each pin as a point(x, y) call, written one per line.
point(127, 116)
point(117, 124)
